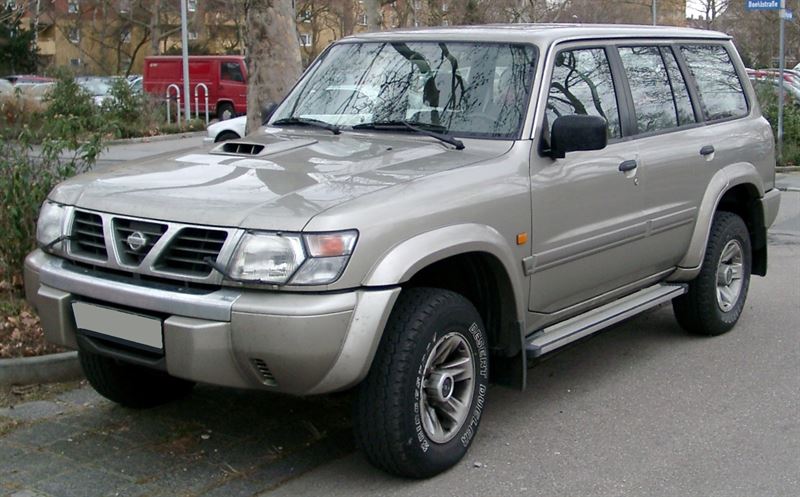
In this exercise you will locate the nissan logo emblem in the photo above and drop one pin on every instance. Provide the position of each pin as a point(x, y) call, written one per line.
point(136, 241)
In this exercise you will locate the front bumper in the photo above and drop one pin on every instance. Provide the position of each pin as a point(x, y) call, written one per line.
point(295, 343)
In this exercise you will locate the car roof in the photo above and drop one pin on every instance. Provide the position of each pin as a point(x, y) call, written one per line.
point(544, 34)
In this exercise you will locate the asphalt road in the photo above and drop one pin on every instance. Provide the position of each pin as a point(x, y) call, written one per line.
point(640, 410)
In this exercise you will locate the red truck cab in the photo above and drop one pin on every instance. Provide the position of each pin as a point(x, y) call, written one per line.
point(224, 75)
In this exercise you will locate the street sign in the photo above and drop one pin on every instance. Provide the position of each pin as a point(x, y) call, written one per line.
point(788, 15)
point(763, 4)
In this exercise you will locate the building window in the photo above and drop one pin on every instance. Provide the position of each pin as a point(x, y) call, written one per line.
point(444, 7)
point(192, 35)
point(362, 19)
point(124, 6)
point(306, 40)
point(125, 36)
point(75, 62)
point(445, 22)
point(72, 6)
point(74, 35)
point(191, 5)
point(306, 16)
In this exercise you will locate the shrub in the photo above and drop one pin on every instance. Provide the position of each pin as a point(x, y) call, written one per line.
point(33, 160)
point(791, 124)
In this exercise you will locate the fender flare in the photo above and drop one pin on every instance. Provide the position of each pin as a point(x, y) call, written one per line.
point(740, 173)
point(403, 261)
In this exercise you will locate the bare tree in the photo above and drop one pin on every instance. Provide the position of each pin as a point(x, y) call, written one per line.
point(711, 11)
point(273, 54)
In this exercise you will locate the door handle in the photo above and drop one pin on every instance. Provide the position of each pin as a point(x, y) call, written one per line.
point(628, 165)
point(707, 150)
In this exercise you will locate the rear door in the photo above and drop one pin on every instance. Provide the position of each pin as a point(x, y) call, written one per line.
point(588, 223)
point(669, 138)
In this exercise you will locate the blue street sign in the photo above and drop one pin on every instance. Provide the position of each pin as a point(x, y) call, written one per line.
point(763, 4)
point(789, 15)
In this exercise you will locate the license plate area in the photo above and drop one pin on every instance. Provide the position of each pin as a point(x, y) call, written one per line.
point(122, 327)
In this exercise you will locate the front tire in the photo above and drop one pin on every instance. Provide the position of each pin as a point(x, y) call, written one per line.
point(716, 298)
point(419, 408)
point(131, 385)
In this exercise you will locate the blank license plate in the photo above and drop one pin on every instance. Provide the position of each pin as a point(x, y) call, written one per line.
point(141, 330)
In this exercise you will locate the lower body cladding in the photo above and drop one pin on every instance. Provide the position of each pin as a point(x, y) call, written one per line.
point(288, 342)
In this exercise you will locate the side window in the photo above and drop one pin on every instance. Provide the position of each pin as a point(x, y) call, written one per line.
point(721, 91)
point(582, 84)
point(683, 102)
point(230, 71)
point(650, 88)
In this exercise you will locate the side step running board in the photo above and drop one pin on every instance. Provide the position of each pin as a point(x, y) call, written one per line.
point(560, 334)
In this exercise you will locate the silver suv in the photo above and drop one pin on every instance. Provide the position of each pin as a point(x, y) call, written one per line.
point(425, 212)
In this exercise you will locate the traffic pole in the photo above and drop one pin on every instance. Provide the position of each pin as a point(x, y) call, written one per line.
point(781, 81)
point(185, 57)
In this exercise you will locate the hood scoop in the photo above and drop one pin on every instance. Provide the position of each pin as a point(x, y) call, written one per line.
point(239, 148)
point(252, 149)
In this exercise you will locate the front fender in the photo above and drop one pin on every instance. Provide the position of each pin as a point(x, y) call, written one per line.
point(404, 260)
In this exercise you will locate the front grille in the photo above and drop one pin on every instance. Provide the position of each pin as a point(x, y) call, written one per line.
point(86, 238)
point(188, 250)
point(125, 229)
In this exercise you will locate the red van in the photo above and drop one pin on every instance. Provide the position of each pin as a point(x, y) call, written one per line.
point(224, 75)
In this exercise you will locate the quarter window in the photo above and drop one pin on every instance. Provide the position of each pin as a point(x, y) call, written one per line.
point(721, 92)
point(582, 84)
point(650, 88)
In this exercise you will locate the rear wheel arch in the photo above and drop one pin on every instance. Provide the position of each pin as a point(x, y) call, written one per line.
point(742, 200)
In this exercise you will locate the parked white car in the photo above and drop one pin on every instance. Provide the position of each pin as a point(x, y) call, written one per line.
point(229, 129)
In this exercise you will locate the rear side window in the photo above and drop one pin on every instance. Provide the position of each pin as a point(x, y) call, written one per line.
point(721, 92)
point(582, 84)
point(650, 88)
point(683, 102)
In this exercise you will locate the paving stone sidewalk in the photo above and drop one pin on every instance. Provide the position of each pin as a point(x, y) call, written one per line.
point(218, 442)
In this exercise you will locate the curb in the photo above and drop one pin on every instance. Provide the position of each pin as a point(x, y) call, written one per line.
point(42, 369)
point(787, 169)
point(156, 138)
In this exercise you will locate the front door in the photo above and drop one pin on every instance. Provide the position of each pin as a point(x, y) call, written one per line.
point(588, 219)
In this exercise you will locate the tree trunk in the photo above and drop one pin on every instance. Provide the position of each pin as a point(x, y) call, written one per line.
point(373, 10)
point(273, 55)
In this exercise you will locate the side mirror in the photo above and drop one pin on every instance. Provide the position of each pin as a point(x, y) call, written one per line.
point(577, 132)
point(267, 111)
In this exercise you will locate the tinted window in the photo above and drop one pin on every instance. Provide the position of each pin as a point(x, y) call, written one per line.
point(232, 72)
point(683, 103)
point(582, 84)
point(649, 83)
point(721, 91)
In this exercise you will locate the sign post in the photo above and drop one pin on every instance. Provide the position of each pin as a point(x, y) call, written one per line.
point(779, 5)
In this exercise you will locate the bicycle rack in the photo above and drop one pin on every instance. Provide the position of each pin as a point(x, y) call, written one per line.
point(196, 101)
point(178, 98)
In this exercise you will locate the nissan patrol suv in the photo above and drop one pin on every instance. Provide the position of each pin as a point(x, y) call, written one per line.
point(425, 212)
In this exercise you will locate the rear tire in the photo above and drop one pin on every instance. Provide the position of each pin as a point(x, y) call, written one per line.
point(419, 408)
point(716, 298)
point(131, 385)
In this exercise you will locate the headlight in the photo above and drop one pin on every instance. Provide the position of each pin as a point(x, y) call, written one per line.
point(50, 226)
point(267, 258)
point(278, 258)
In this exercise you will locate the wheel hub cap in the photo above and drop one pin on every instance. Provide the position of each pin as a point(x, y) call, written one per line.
point(730, 270)
point(447, 388)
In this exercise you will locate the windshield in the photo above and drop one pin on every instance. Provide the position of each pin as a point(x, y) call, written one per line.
point(96, 86)
point(465, 89)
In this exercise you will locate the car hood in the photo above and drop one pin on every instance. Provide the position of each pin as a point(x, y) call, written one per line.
point(291, 180)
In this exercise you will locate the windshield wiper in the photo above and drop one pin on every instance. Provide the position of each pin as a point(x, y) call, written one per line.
point(458, 144)
point(309, 122)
